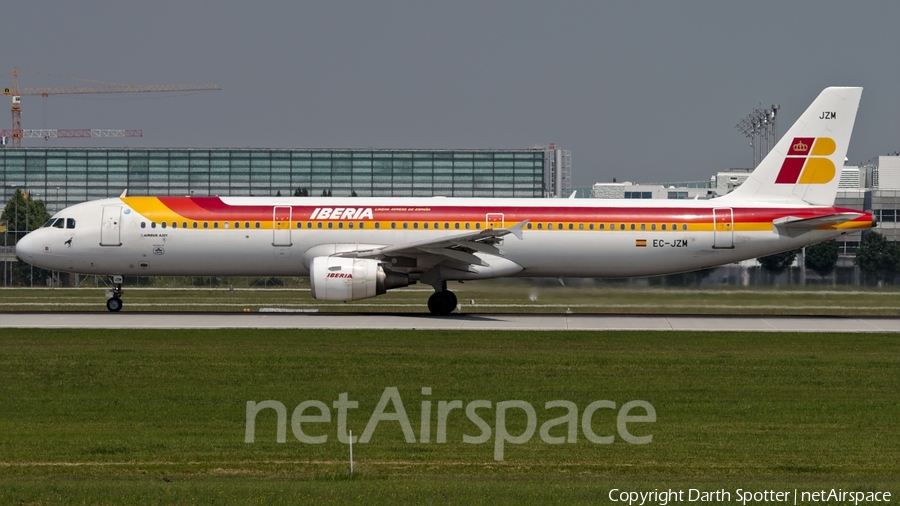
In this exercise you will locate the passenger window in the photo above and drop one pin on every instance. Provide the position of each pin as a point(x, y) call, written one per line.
point(674, 227)
point(663, 226)
point(257, 224)
point(601, 226)
point(340, 224)
point(174, 224)
point(215, 224)
point(163, 224)
point(247, 224)
point(528, 226)
point(184, 224)
point(456, 225)
point(377, 224)
point(468, 225)
point(478, 226)
point(237, 224)
point(205, 224)
point(621, 226)
point(437, 225)
point(643, 226)
point(653, 226)
point(319, 224)
point(195, 224)
point(560, 226)
point(393, 224)
point(572, 226)
point(349, 224)
point(632, 226)
point(405, 225)
point(330, 224)
point(581, 226)
point(684, 226)
point(425, 225)
point(540, 226)
point(143, 225)
point(308, 224)
point(446, 226)
point(362, 225)
point(226, 224)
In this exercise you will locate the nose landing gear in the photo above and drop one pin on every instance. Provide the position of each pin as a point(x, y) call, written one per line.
point(114, 303)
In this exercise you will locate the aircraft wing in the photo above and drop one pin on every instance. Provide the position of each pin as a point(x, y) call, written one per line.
point(457, 251)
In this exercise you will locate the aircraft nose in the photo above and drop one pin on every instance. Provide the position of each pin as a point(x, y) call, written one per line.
point(25, 248)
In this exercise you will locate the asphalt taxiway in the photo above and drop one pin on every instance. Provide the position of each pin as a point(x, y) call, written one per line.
point(537, 322)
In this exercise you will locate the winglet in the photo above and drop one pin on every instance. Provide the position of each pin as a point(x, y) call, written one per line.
point(516, 230)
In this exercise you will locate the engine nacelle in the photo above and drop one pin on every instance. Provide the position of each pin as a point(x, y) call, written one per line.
point(339, 278)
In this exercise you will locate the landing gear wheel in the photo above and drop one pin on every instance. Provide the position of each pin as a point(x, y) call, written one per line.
point(442, 303)
point(114, 304)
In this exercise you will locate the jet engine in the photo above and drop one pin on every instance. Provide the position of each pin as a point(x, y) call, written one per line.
point(339, 278)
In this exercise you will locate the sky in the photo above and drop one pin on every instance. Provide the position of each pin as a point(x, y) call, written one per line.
point(638, 91)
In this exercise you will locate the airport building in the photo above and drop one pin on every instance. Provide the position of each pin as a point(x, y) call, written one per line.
point(62, 177)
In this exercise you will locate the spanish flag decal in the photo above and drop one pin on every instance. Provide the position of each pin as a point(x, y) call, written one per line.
point(640, 243)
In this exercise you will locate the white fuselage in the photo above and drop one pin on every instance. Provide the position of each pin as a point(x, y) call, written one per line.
point(577, 238)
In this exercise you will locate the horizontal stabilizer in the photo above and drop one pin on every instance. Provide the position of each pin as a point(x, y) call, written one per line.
point(793, 222)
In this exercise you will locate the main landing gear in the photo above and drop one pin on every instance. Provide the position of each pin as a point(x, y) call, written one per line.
point(114, 303)
point(442, 302)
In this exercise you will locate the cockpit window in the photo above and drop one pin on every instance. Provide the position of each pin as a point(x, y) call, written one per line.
point(50, 222)
point(60, 223)
point(70, 222)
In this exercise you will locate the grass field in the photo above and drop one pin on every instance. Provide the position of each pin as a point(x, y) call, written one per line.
point(159, 417)
point(500, 296)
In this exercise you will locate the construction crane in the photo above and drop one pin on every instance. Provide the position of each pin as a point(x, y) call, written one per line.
point(71, 133)
point(16, 132)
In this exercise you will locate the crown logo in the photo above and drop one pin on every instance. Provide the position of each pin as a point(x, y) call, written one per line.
point(801, 146)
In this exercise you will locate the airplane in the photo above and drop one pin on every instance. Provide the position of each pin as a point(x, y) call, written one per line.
point(356, 248)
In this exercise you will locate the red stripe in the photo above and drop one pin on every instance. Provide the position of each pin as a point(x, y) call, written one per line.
point(213, 209)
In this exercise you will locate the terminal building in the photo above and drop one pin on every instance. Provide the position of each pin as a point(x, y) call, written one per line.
point(62, 177)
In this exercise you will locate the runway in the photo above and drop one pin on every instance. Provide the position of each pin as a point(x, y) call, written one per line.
point(535, 322)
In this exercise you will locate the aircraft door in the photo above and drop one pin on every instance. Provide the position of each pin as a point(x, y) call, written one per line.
point(723, 228)
point(281, 226)
point(494, 220)
point(111, 226)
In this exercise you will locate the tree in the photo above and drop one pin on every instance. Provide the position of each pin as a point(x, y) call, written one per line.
point(326, 193)
point(822, 257)
point(278, 194)
point(877, 256)
point(24, 214)
point(353, 193)
point(777, 263)
point(301, 192)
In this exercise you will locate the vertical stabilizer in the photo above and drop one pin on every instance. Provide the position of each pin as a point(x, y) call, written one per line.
point(805, 165)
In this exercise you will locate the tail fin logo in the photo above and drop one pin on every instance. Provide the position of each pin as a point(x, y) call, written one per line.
point(803, 165)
